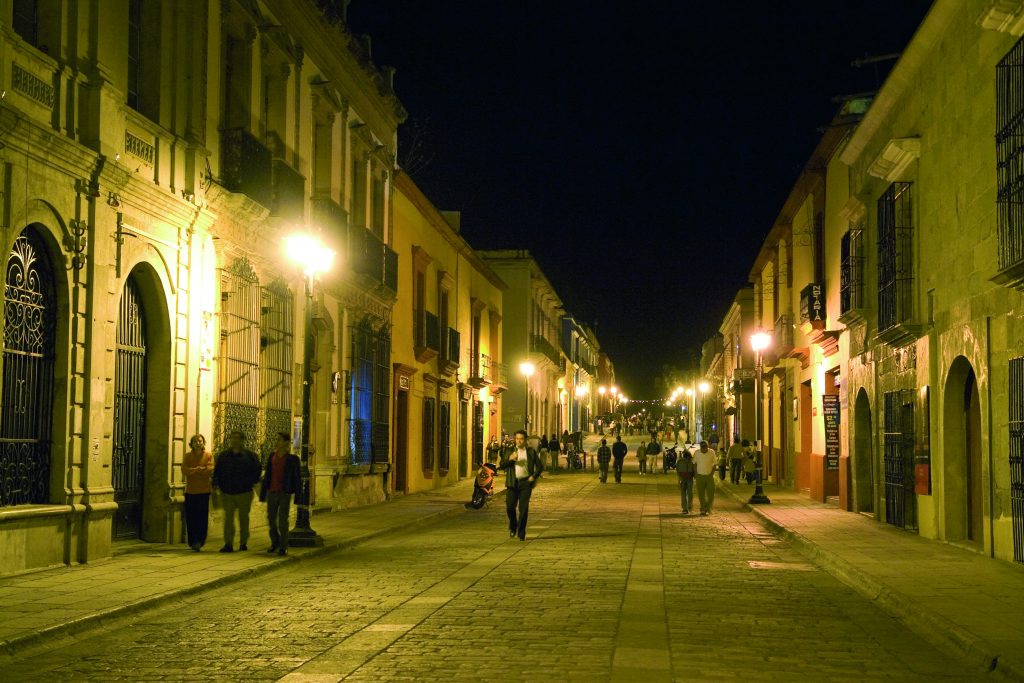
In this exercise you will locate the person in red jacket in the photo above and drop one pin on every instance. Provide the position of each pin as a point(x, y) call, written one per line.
point(281, 480)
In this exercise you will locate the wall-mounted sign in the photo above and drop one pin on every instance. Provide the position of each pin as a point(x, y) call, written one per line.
point(812, 305)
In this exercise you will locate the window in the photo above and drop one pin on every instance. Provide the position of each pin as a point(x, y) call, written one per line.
point(444, 435)
point(26, 20)
point(851, 283)
point(428, 435)
point(276, 364)
point(237, 407)
point(1010, 156)
point(134, 52)
point(382, 398)
point(369, 395)
point(377, 207)
point(1016, 429)
point(895, 256)
point(143, 86)
point(900, 503)
point(358, 190)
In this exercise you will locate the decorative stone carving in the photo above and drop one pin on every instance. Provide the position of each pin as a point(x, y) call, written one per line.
point(895, 159)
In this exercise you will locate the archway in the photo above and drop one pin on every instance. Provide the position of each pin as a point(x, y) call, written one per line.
point(963, 485)
point(863, 455)
point(142, 390)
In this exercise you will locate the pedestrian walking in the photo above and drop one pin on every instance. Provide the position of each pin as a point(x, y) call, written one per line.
point(542, 449)
point(565, 442)
point(685, 470)
point(750, 467)
point(705, 460)
point(653, 448)
point(553, 450)
point(736, 452)
point(522, 466)
point(281, 480)
point(619, 451)
point(235, 472)
point(604, 456)
point(197, 469)
point(641, 457)
point(493, 451)
point(723, 462)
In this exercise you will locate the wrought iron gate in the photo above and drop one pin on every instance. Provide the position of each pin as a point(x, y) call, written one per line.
point(28, 359)
point(900, 503)
point(1016, 392)
point(129, 413)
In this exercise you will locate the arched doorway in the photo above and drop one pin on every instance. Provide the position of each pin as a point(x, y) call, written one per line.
point(863, 455)
point(129, 413)
point(963, 483)
point(29, 358)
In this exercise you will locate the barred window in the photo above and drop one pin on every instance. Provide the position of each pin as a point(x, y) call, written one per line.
point(1016, 434)
point(381, 397)
point(898, 457)
point(1010, 156)
point(428, 435)
point(238, 400)
point(851, 285)
point(276, 371)
point(444, 435)
point(895, 256)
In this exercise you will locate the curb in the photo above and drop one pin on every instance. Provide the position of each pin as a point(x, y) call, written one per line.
point(13, 646)
point(933, 628)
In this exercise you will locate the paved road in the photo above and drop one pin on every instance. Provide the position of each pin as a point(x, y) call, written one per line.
point(611, 584)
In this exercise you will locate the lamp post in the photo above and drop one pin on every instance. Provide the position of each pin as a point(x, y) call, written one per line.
point(691, 417)
point(759, 341)
point(309, 252)
point(581, 391)
point(526, 368)
point(704, 388)
point(600, 406)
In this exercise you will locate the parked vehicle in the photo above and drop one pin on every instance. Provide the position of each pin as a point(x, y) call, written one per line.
point(483, 487)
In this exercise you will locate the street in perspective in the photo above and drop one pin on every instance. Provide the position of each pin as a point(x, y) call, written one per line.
point(613, 583)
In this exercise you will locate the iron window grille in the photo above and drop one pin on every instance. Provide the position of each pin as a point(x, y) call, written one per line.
point(1016, 434)
point(277, 346)
point(851, 283)
point(895, 256)
point(128, 471)
point(428, 435)
point(1010, 156)
point(29, 356)
point(900, 503)
point(237, 407)
point(381, 431)
point(444, 437)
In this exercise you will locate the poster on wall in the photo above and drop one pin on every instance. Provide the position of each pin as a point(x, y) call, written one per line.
point(830, 411)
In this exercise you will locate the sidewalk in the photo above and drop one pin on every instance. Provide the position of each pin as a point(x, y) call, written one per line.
point(59, 602)
point(950, 596)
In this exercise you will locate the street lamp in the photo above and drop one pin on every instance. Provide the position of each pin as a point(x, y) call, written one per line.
point(600, 406)
point(316, 259)
point(759, 341)
point(527, 368)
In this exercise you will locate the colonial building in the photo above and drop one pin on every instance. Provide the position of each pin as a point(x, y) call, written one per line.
point(530, 334)
point(155, 156)
point(738, 372)
point(579, 344)
point(446, 349)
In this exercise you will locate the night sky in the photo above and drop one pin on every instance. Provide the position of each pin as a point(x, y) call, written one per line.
point(640, 150)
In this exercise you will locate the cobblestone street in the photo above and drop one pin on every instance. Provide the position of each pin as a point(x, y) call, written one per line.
point(613, 583)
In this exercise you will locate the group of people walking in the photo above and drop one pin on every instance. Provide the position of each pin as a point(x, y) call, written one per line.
point(234, 474)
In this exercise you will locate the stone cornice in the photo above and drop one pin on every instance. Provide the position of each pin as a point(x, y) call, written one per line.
point(1005, 16)
point(893, 162)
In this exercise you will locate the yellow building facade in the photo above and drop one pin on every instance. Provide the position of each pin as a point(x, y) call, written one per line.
point(155, 159)
point(446, 349)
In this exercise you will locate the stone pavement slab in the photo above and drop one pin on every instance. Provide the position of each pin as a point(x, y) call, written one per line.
point(951, 596)
point(50, 603)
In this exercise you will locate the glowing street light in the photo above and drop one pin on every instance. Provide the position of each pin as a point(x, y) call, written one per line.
point(316, 259)
point(526, 368)
point(759, 341)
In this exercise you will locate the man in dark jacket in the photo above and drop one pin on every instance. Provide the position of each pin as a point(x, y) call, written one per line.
point(619, 450)
point(235, 473)
point(522, 467)
point(281, 480)
point(604, 456)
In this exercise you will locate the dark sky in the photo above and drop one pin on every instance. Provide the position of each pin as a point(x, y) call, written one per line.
point(639, 149)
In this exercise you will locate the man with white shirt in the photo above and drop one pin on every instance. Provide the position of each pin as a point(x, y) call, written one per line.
point(522, 467)
point(705, 459)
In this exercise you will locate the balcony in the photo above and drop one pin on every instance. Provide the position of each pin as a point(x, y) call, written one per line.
point(246, 166)
point(390, 269)
point(327, 215)
point(366, 255)
point(541, 345)
point(449, 361)
point(783, 340)
point(427, 336)
point(289, 192)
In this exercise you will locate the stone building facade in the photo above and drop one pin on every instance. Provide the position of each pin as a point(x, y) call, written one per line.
point(446, 353)
point(154, 156)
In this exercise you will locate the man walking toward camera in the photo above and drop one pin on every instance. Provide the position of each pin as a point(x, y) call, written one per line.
point(705, 460)
point(235, 473)
point(619, 450)
point(522, 467)
point(281, 480)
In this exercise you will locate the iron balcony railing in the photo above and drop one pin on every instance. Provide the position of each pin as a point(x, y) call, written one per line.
point(366, 251)
point(541, 345)
point(450, 346)
point(246, 165)
point(289, 191)
point(428, 331)
point(784, 334)
point(390, 269)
